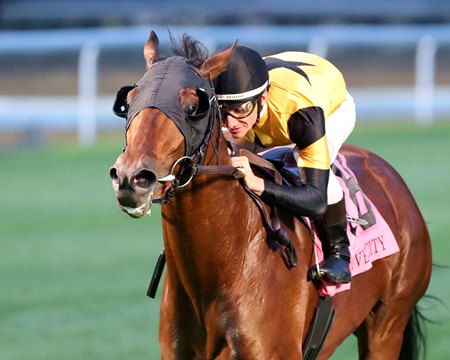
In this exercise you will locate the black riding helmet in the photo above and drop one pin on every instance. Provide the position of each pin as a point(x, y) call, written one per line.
point(245, 78)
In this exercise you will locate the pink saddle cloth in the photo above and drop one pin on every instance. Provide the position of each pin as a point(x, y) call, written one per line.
point(368, 242)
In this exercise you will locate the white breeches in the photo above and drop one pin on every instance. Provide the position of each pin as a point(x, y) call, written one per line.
point(338, 128)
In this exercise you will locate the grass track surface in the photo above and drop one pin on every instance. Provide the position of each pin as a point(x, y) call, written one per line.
point(74, 269)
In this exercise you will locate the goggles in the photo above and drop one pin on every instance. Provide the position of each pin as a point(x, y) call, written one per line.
point(237, 111)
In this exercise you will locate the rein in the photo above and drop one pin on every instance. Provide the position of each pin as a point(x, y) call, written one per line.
point(195, 169)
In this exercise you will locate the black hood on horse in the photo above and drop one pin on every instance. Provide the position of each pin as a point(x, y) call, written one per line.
point(160, 88)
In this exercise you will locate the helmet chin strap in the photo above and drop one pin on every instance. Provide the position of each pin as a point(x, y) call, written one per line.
point(261, 109)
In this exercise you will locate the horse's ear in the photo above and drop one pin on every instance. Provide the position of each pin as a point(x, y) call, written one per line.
point(151, 50)
point(217, 63)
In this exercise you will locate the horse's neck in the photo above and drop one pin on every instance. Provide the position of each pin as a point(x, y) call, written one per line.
point(214, 200)
point(209, 225)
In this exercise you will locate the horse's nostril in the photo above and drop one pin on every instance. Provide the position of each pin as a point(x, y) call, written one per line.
point(144, 178)
point(113, 174)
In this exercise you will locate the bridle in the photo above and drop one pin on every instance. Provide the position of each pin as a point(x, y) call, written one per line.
point(160, 88)
point(192, 165)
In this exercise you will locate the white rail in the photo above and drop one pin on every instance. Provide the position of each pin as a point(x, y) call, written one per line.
point(317, 39)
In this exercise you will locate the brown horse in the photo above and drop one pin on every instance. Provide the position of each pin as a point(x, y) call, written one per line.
point(227, 294)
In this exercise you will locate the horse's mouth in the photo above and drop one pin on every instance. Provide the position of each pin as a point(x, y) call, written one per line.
point(137, 212)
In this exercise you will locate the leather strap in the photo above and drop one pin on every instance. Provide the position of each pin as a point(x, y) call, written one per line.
point(319, 328)
point(261, 162)
point(217, 170)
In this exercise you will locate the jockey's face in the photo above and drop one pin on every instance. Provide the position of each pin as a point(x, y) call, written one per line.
point(241, 119)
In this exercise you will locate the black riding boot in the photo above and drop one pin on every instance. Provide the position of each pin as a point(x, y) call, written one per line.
point(336, 266)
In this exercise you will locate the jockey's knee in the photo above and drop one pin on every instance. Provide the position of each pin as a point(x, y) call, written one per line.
point(334, 190)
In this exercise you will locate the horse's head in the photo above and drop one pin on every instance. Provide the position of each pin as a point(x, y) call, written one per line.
point(170, 116)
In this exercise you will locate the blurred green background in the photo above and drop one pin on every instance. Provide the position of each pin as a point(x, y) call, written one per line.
point(74, 270)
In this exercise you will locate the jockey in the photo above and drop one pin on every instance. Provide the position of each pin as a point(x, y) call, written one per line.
point(294, 98)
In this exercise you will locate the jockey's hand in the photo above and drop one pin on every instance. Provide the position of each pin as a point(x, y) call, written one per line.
point(253, 182)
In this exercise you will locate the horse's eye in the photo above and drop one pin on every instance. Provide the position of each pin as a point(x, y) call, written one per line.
point(191, 110)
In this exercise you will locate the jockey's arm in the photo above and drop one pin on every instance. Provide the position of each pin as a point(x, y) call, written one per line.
point(307, 131)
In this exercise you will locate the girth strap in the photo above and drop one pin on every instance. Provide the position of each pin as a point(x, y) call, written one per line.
point(319, 328)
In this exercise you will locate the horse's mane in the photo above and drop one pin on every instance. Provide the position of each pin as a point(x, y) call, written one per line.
point(193, 50)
